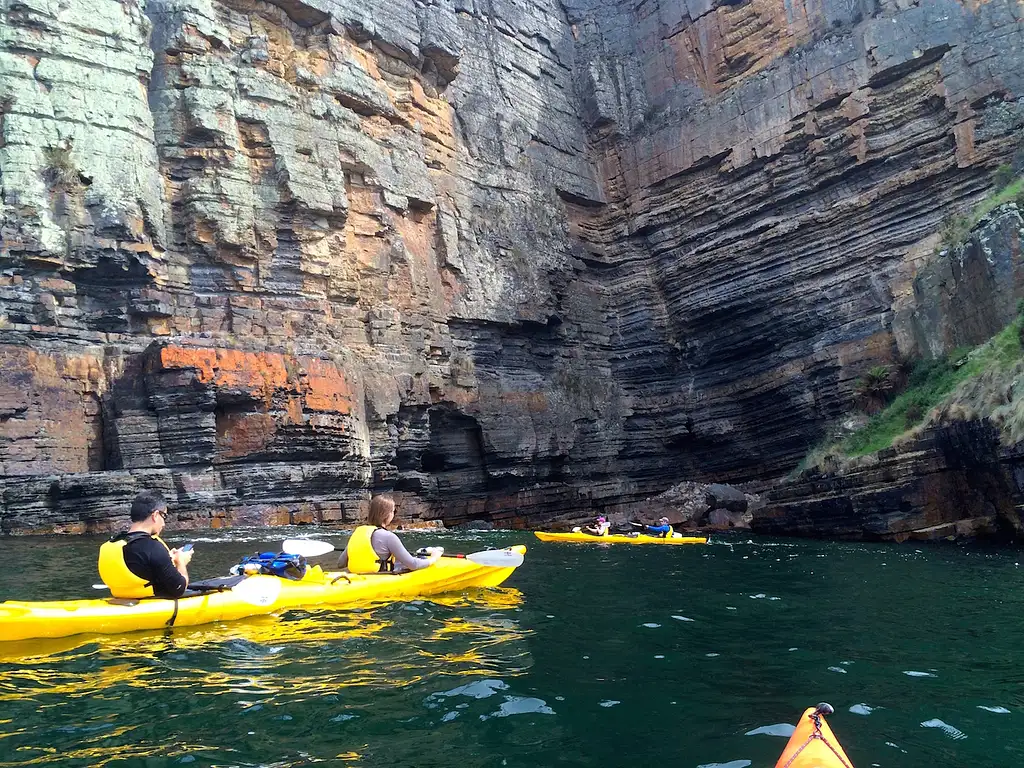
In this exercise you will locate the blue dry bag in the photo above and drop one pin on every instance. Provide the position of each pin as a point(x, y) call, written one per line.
point(275, 564)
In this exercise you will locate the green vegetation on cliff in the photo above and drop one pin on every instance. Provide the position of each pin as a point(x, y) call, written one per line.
point(956, 230)
point(967, 383)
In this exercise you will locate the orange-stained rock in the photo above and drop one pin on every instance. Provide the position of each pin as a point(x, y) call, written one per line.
point(261, 372)
point(325, 387)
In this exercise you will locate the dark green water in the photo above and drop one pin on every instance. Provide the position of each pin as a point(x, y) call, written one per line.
point(592, 655)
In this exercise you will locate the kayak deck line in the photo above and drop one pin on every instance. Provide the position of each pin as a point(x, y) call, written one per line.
point(254, 596)
point(813, 745)
point(586, 538)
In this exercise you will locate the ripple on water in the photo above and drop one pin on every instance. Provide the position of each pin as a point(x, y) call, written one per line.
point(609, 703)
point(784, 730)
point(651, 625)
point(837, 669)
point(915, 673)
point(730, 764)
point(521, 705)
point(481, 689)
point(952, 731)
point(861, 709)
point(997, 710)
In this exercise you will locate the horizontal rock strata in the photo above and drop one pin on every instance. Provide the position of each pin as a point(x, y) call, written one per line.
point(515, 261)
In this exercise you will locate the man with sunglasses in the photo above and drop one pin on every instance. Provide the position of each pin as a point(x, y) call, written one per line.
point(137, 563)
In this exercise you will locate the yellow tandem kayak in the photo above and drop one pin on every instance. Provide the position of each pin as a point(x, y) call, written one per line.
point(254, 596)
point(616, 539)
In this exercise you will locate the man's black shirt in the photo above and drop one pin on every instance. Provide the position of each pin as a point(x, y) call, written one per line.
point(148, 559)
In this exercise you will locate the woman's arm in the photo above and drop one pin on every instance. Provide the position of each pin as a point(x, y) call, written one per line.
point(409, 561)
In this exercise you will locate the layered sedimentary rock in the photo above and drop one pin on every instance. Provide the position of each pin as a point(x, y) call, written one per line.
point(212, 211)
point(768, 215)
point(953, 480)
point(510, 259)
point(962, 475)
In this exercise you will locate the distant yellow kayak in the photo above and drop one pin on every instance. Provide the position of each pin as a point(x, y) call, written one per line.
point(255, 596)
point(586, 538)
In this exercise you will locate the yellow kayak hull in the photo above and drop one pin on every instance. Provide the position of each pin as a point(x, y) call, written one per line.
point(256, 596)
point(586, 538)
point(813, 745)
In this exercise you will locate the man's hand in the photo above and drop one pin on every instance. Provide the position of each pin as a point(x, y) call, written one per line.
point(180, 558)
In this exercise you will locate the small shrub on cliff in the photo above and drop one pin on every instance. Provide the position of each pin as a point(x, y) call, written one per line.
point(61, 171)
point(875, 386)
point(1003, 176)
point(954, 231)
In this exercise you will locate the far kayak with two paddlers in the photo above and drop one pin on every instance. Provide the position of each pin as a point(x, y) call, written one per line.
point(634, 533)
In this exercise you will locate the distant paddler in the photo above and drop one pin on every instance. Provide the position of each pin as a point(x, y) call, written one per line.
point(372, 548)
point(137, 563)
point(600, 528)
point(663, 529)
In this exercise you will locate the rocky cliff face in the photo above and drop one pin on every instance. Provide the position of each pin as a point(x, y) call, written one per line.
point(508, 258)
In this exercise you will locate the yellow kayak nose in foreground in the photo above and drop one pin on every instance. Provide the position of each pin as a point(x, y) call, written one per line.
point(586, 538)
point(254, 596)
point(813, 745)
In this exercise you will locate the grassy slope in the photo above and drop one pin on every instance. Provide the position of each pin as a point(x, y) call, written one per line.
point(976, 382)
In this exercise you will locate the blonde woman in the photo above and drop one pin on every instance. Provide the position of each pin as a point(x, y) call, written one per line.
point(372, 548)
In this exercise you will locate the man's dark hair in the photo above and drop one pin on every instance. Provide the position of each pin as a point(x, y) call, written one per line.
point(145, 504)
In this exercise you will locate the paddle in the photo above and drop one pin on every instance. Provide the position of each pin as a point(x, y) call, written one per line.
point(497, 558)
point(306, 547)
point(494, 558)
point(258, 590)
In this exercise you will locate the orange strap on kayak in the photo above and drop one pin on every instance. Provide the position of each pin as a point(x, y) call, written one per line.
point(819, 737)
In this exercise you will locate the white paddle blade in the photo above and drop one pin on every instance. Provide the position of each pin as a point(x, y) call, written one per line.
point(306, 547)
point(258, 590)
point(497, 558)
